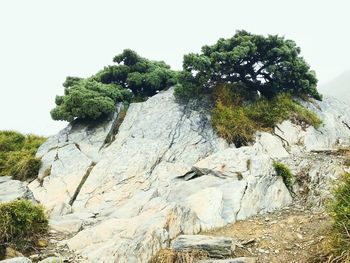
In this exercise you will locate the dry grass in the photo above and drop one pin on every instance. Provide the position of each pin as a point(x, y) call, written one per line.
point(172, 256)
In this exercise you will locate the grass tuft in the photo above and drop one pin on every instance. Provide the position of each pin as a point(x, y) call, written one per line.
point(17, 155)
point(339, 210)
point(22, 224)
point(237, 115)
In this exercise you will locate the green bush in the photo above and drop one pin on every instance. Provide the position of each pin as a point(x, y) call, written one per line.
point(17, 155)
point(237, 115)
point(283, 171)
point(22, 223)
point(339, 210)
point(88, 99)
point(132, 78)
point(268, 64)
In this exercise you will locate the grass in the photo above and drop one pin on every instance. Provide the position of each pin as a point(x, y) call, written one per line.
point(22, 224)
point(283, 171)
point(339, 210)
point(237, 115)
point(17, 155)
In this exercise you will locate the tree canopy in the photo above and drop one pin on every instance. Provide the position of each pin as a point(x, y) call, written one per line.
point(131, 76)
point(270, 65)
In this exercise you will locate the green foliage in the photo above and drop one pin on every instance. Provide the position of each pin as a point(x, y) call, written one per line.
point(88, 99)
point(237, 115)
point(270, 65)
point(132, 77)
point(17, 155)
point(268, 113)
point(283, 171)
point(339, 210)
point(232, 124)
point(22, 223)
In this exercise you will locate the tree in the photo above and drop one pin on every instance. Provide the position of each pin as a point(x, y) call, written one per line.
point(142, 76)
point(133, 76)
point(88, 99)
point(270, 65)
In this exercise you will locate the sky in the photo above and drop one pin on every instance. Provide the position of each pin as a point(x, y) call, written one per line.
point(43, 41)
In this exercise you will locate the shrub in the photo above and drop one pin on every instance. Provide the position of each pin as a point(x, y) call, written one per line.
point(283, 171)
point(17, 155)
point(132, 76)
point(339, 210)
point(22, 223)
point(88, 99)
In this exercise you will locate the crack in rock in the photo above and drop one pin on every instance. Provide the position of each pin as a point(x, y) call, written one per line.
point(83, 180)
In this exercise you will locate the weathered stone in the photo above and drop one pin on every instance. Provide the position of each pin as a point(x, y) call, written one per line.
point(67, 158)
point(230, 260)
point(13, 189)
point(215, 247)
point(12, 253)
point(166, 173)
point(52, 260)
point(17, 260)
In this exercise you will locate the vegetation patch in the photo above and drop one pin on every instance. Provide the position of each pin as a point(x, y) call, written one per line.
point(17, 155)
point(339, 210)
point(22, 224)
point(283, 171)
point(237, 115)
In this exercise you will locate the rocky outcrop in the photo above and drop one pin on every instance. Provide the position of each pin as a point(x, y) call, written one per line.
point(166, 173)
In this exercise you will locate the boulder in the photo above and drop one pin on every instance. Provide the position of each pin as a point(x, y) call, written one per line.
point(13, 189)
point(230, 260)
point(17, 260)
point(214, 247)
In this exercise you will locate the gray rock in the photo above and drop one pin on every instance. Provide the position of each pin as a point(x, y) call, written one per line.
point(230, 260)
point(216, 247)
point(67, 159)
point(17, 260)
point(52, 260)
point(167, 173)
point(13, 189)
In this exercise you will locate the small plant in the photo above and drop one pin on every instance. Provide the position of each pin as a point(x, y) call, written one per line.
point(17, 155)
point(283, 171)
point(22, 224)
point(339, 210)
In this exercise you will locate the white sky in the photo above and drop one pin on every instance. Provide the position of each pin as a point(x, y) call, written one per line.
point(43, 41)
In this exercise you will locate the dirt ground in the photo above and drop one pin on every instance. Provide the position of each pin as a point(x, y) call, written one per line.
point(290, 235)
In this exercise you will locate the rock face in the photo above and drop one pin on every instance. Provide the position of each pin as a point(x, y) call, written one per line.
point(124, 195)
